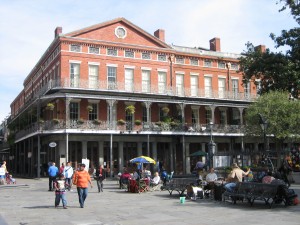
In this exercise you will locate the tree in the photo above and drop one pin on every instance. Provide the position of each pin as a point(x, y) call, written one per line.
point(276, 70)
point(282, 114)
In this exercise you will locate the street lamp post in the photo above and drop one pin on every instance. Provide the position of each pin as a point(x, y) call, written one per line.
point(211, 147)
point(263, 122)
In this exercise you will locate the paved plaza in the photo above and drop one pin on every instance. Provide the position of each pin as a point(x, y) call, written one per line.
point(29, 203)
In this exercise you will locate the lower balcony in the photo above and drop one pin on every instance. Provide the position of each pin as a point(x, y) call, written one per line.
point(127, 127)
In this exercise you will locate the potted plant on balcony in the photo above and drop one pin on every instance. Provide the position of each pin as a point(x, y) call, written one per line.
point(165, 110)
point(121, 122)
point(50, 106)
point(80, 121)
point(137, 122)
point(96, 121)
point(130, 109)
point(89, 108)
point(55, 121)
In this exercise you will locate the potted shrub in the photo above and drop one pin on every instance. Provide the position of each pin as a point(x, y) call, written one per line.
point(89, 108)
point(50, 106)
point(158, 123)
point(121, 122)
point(55, 121)
point(137, 122)
point(165, 110)
point(130, 109)
point(96, 121)
point(80, 121)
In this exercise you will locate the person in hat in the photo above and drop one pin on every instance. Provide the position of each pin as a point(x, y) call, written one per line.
point(82, 179)
point(236, 175)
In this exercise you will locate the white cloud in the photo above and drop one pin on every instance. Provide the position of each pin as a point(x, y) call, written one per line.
point(27, 27)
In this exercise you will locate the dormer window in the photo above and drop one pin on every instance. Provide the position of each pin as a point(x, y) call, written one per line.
point(75, 48)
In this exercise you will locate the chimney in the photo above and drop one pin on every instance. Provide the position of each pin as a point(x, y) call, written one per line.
point(261, 48)
point(160, 34)
point(215, 44)
point(57, 32)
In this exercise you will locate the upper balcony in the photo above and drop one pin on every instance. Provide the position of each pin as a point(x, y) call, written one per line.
point(149, 89)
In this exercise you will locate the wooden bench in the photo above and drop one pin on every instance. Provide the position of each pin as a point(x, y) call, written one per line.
point(179, 185)
point(252, 191)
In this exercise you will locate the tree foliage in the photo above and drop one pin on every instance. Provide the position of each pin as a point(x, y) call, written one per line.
point(276, 70)
point(281, 113)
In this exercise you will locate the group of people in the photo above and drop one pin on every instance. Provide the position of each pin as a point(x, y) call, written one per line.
point(5, 176)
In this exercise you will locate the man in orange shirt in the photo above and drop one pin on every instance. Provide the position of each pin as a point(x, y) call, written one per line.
point(81, 179)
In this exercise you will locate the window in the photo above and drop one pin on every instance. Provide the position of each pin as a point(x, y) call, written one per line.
point(162, 57)
point(207, 63)
point(75, 48)
point(93, 115)
point(223, 117)
point(194, 85)
point(129, 54)
point(111, 77)
point(222, 88)
point(234, 66)
point(207, 87)
point(179, 85)
point(93, 76)
point(94, 50)
point(208, 115)
point(129, 80)
point(194, 62)
point(144, 116)
point(145, 55)
point(179, 60)
point(247, 89)
point(221, 65)
point(145, 80)
point(235, 88)
point(195, 116)
point(74, 74)
point(111, 51)
point(74, 111)
point(162, 82)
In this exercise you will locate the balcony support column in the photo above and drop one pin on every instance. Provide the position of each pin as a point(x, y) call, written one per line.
point(148, 106)
point(111, 103)
point(212, 108)
point(241, 115)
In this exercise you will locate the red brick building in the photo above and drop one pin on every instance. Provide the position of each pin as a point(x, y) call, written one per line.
point(114, 91)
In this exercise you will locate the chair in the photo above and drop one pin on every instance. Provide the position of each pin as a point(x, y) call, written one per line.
point(124, 182)
point(155, 187)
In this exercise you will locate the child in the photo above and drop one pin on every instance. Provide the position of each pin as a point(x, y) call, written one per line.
point(11, 179)
point(60, 191)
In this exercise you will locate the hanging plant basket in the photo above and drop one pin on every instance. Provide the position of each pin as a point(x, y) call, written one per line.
point(89, 108)
point(130, 109)
point(50, 106)
point(121, 122)
point(165, 110)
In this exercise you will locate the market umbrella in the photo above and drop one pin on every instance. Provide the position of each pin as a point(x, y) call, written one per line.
point(143, 159)
point(199, 153)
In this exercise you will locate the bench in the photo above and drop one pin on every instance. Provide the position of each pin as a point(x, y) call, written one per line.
point(252, 191)
point(179, 185)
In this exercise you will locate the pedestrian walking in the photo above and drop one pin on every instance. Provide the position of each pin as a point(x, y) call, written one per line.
point(82, 179)
point(52, 172)
point(68, 173)
point(60, 191)
point(100, 176)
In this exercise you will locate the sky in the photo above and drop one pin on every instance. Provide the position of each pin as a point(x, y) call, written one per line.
point(27, 28)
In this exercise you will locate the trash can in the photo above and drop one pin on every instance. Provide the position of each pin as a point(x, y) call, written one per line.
point(182, 200)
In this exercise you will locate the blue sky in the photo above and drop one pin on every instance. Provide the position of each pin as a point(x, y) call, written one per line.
point(27, 27)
